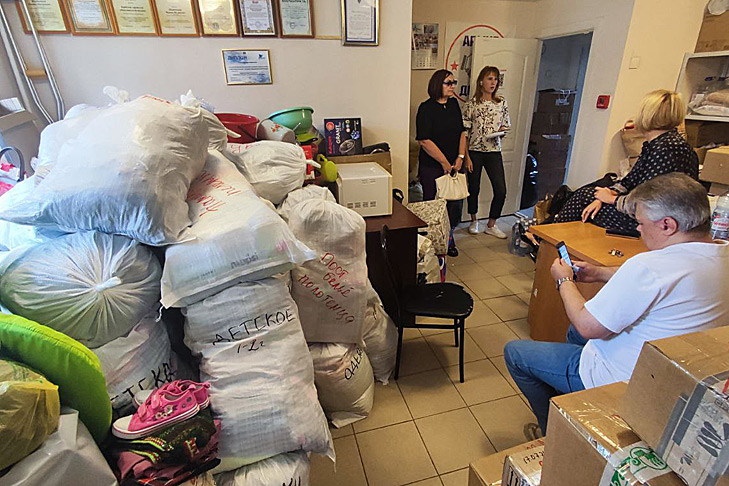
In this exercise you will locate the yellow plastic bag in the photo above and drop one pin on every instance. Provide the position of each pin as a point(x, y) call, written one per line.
point(29, 411)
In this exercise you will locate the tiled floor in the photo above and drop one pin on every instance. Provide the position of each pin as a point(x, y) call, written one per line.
point(427, 427)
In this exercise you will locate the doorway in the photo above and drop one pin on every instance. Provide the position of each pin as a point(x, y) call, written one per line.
point(562, 68)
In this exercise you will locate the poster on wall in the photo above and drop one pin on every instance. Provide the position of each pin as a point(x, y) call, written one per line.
point(176, 18)
point(90, 17)
point(257, 17)
point(218, 17)
point(247, 67)
point(134, 17)
point(296, 18)
point(459, 42)
point(48, 16)
point(424, 48)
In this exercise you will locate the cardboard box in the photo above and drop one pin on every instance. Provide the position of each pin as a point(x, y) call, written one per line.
point(551, 101)
point(343, 136)
point(677, 388)
point(489, 470)
point(700, 133)
point(716, 166)
point(523, 468)
point(382, 158)
point(553, 143)
point(586, 437)
point(714, 33)
point(549, 180)
point(549, 123)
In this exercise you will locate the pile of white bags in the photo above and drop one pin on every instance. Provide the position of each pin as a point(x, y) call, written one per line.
point(290, 469)
point(238, 238)
point(126, 173)
point(54, 136)
point(217, 134)
point(13, 235)
point(91, 286)
point(255, 357)
point(331, 289)
point(304, 194)
point(344, 380)
point(380, 338)
point(427, 261)
point(273, 168)
point(141, 360)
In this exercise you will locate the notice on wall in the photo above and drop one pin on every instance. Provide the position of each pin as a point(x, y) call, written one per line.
point(459, 42)
point(424, 49)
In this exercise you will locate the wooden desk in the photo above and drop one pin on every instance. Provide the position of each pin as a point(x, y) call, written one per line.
point(547, 318)
point(403, 247)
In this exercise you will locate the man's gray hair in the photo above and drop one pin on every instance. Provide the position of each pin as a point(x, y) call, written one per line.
point(676, 196)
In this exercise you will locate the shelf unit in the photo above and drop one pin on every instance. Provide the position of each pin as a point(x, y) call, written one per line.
point(697, 67)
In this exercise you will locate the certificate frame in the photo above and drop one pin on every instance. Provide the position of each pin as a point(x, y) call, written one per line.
point(162, 33)
point(348, 37)
point(273, 20)
point(78, 29)
point(232, 7)
point(263, 77)
point(153, 18)
point(63, 17)
point(282, 21)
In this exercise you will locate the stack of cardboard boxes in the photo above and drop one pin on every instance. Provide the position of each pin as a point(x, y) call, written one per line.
point(549, 138)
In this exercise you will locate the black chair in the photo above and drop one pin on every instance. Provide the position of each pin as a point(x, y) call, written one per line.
point(441, 300)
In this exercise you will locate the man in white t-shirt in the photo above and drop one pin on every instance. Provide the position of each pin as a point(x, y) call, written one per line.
point(680, 286)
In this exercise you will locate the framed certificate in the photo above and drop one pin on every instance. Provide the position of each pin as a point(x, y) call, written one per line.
point(90, 17)
point(257, 17)
point(176, 18)
point(360, 22)
point(247, 67)
point(296, 18)
point(134, 17)
point(49, 16)
point(218, 17)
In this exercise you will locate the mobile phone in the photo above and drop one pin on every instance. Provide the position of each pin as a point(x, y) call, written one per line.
point(564, 255)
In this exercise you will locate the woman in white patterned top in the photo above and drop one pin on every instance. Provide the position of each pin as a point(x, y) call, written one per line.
point(483, 116)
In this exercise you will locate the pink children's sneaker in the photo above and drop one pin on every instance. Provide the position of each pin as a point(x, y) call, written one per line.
point(178, 387)
point(160, 411)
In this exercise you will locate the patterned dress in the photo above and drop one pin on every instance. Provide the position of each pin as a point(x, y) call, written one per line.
point(667, 153)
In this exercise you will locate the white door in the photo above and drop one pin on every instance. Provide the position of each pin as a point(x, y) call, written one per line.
point(518, 60)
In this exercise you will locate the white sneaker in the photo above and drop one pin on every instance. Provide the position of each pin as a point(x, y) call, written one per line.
point(474, 228)
point(495, 231)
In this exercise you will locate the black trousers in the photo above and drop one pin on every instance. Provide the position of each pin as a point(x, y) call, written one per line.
point(494, 166)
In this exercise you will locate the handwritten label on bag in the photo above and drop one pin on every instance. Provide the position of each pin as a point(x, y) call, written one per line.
point(154, 379)
point(248, 327)
point(209, 192)
point(332, 288)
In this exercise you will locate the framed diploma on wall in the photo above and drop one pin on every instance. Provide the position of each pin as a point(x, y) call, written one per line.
point(247, 67)
point(257, 17)
point(296, 18)
point(176, 18)
point(134, 17)
point(218, 17)
point(360, 22)
point(90, 17)
point(48, 16)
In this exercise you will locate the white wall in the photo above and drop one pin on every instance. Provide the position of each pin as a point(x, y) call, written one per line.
point(370, 82)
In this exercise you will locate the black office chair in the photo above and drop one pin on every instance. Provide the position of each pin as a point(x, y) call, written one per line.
point(441, 300)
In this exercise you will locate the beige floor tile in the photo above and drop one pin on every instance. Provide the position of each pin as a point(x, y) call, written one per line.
point(430, 393)
point(470, 272)
point(428, 482)
point(497, 268)
point(393, 456)
point(518, 283)
point(525, 264)
point(447, 354)
point(417, 357)
point(349, 469)
point(525, 297)
point(469, 243)
point(487, 288)
point(481, 316)
point(491, 339)
point(508, 308)
point(410, 333)
point(461, 259)
point(456, 478)
point(491, 241)
point(343, 432)
point(389, 409)
point(483, 254)
point(500, 364)
point(520, 327)
point(453, 439)
point(483, 382)
point(503, 421)
point(501, 250)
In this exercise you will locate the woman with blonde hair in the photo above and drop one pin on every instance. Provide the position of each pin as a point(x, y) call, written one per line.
point(665, 151)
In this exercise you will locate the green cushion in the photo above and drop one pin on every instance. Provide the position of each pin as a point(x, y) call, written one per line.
point(66, 362)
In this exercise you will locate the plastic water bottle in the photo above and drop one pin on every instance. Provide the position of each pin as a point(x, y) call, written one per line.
point(720, 219)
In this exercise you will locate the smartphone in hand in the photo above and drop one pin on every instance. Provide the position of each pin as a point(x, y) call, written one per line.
point(564, 255)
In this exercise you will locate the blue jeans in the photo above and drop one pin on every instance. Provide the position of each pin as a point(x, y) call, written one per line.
point(544, 370)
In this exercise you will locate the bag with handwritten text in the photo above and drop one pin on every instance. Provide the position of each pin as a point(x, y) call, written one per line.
point(283, 470)
point(238, 237)
point(330, 290)
point(261, 377)
point(379, 337)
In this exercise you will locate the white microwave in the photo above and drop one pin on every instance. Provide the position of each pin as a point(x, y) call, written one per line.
point(365, 188)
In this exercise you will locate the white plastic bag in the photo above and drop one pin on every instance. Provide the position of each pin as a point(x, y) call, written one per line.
point(68, 457)
point(331, 289)
point(304, 194)
point(261, 376)
point(217, 134)
point(54, 136)
point(380, 338)
point(91, 286)
point(344, 380)
point(126, 173)
point(238, 238)
point(427, 261)
point(273, 168)
point(290, 469)
point(13, 235)
point(138, 361)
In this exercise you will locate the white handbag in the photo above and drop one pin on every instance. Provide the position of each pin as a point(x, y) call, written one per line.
point(452, 187)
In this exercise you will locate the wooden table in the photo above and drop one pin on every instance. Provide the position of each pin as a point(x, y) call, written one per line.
point(547, 318)
point(403, 248)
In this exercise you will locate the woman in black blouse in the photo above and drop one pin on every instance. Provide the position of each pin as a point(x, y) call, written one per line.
point(442, 139)
point(665, 151)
